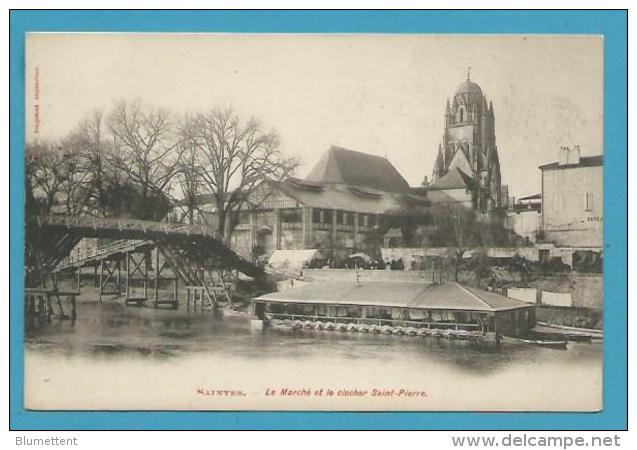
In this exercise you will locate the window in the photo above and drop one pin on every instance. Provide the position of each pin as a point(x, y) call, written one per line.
point(291, 215)
point(588, 201)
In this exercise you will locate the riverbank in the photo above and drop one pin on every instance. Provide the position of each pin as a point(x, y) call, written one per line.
point(118, 357)
point(571, 317)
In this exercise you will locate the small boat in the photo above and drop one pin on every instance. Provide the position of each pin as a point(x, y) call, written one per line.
point(362, 328)
point(576, 337)
point(548, 341)
point(329, 326)
point(575, 334)
point(352, 327)
point(462, 334)
point(449, 334)
point(374, 329)
point(341, 327)
point(474, 336)
point(386, 329)
point(423, 332)
point(411, 331)
point(398, 331)
point(308, 324)
point(544, 343)
point(319, 325)
point(435, 332)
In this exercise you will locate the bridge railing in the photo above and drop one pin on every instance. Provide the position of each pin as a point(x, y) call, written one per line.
point(123, 224)
point(100, 250)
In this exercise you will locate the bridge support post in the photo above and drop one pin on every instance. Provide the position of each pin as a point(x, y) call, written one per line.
point(127, 278)
point(73, 307)
point(157, 272)
point(176, 292)
point(119, 276)
point(79, 273)
point(101, 279)
point(147, 257)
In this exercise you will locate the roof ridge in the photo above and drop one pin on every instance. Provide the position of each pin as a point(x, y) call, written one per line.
point(475, 296)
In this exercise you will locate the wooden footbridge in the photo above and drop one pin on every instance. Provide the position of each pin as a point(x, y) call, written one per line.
point(138, 258)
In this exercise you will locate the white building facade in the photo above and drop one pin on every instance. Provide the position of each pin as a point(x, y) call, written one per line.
point(573, 201)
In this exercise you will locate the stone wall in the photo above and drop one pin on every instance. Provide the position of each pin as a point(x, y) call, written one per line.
point(586, 289)
point(325, 275)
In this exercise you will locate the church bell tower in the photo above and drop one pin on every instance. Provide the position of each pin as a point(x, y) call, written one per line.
point(468, 144)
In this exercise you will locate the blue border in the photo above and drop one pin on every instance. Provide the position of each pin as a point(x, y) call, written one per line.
point(611, 24)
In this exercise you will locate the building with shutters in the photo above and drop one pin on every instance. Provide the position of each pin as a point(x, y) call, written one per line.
point(572, 200)
point(346, 204)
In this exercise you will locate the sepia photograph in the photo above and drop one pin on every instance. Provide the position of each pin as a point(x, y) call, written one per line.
point(313, 222)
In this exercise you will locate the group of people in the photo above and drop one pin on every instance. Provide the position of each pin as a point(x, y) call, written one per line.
point(360, 263)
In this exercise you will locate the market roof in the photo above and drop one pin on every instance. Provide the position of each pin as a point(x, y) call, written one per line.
point(531, 197)
point(447, 296)
point(454, 179)
point(342, 166)
point(352, 198)
point(584, 161)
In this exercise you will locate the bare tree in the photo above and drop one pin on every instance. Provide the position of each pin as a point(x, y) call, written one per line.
point(233, 156)
point(146, 151)
point(90, 142)
point(190, 181)
point(74, 181)
point(48, 171)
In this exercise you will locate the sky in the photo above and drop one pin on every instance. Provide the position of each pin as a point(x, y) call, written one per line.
point(379, 94)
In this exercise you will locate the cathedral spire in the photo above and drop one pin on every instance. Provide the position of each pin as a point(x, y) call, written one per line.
point(470, 126)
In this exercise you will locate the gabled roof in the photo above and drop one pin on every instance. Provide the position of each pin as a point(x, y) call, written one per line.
point(460, 160)
point(531, 197)
point(342, 166)
point(406, 294)
point(394, 233)
point(584, 161)
point(354, 199)
point(454, 179)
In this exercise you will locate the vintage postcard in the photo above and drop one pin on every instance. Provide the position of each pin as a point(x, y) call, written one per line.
point(317, 222)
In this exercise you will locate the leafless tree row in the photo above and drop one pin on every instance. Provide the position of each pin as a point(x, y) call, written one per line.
point(138, 161)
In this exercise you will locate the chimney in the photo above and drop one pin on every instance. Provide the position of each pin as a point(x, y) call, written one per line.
point(574, 155)
point(562, 156)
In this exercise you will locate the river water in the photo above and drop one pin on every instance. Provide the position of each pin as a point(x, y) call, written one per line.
point(113, 357)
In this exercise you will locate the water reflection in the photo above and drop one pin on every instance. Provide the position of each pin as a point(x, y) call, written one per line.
point(111, 328)
point(203, 344)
